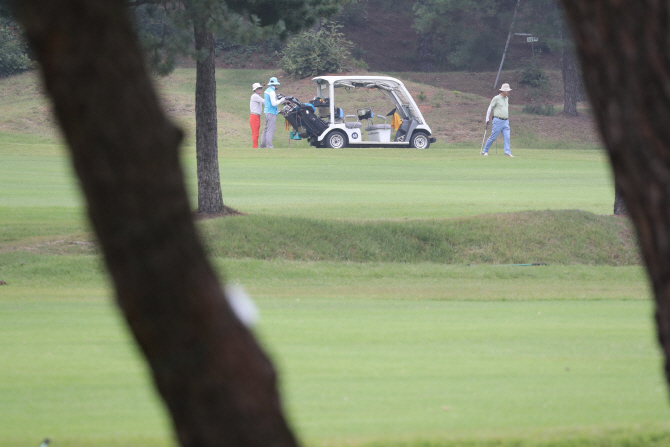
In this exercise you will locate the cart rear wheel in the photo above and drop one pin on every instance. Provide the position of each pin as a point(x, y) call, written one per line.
point(420, 140)
point(336, 140)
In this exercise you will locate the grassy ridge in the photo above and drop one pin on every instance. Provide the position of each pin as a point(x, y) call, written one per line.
point(553, 237)
point(556, 237)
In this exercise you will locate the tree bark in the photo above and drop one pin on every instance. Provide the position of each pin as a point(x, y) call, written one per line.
point(571, 88)
point(218, 385)
point(426, 54)
point(624, 51)
point(210, 199)
point(619, 204)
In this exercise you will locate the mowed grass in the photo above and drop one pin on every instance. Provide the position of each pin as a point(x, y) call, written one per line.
point(358, 261)
point(405, 184)
point(355, 367)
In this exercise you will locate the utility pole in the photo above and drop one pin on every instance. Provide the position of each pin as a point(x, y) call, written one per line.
point(507, 44)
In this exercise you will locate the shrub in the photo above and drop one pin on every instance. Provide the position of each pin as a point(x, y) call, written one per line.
point(357, 52)
point(540, 109)
point(534, 77)
point(13, 53)
point(360, 65)
point(312, 53)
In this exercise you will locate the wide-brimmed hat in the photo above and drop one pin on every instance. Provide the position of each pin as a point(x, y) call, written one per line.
point(273, 81)
point(256, 86)
point(505, 88)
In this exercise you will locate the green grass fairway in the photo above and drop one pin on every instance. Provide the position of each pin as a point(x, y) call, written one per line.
point(384, 283)
point(354, 369)
point(400, 184)
point(368, 352)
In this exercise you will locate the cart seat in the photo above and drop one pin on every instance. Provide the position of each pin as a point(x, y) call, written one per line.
point(352, 124)
point(377, 127)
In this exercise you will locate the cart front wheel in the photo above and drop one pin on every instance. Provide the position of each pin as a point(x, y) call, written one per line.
point(336, 140)
point(420, 141)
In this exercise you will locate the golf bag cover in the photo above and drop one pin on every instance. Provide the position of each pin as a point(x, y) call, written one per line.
point(312, 122)
point(305, 121)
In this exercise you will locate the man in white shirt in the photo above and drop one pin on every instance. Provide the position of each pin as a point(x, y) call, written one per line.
point(271, 111)
point(256, 104)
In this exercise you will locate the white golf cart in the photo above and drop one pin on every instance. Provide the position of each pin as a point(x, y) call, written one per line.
point(324, 124)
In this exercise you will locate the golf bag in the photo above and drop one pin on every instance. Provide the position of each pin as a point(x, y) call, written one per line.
point(303, 118)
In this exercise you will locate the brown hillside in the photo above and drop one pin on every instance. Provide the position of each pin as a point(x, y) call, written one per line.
point(454, 106)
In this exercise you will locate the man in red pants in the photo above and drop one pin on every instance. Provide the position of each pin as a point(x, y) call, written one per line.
point(255, 109)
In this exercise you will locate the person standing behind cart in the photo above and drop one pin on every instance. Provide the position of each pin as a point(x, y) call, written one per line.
point(500, 120)
point(256, 104)
point(271, 111)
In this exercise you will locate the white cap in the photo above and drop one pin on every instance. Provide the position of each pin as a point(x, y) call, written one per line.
point(256, 86)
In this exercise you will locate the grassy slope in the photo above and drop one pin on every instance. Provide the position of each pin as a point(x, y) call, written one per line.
point(454, 108)
point(476, 353)
point(565, 237)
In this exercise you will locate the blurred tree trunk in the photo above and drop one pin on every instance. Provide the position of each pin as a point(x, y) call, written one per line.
point(624, 52)
point(219, 387)
point(571, 88)
point(619, 204)
point(210, 199)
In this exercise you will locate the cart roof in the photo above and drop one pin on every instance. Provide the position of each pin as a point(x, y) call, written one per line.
point(383, 82)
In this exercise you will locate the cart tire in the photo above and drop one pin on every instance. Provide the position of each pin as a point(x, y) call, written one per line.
point(336, 140)
point(420, 140)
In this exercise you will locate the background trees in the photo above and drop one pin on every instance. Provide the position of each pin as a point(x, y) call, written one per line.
point(13, 51)
point(461, 34)
point(189, 27)
point(546, 19)
point(470, 35)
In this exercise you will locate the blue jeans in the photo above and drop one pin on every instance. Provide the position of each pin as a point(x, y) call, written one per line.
point(498, 126)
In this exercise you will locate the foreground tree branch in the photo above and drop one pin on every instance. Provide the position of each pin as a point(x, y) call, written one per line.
point(624, 49)
point(218, 385)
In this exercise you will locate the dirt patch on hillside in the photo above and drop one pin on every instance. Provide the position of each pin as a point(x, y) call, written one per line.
point(24, 107)
point(481, 83)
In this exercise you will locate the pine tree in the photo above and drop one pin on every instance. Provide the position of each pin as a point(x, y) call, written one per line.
point(190, 27)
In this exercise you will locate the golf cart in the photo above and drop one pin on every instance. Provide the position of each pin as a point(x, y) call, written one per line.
point(325, 125)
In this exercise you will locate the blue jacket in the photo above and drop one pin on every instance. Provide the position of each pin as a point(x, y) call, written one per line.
point(271, 95)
